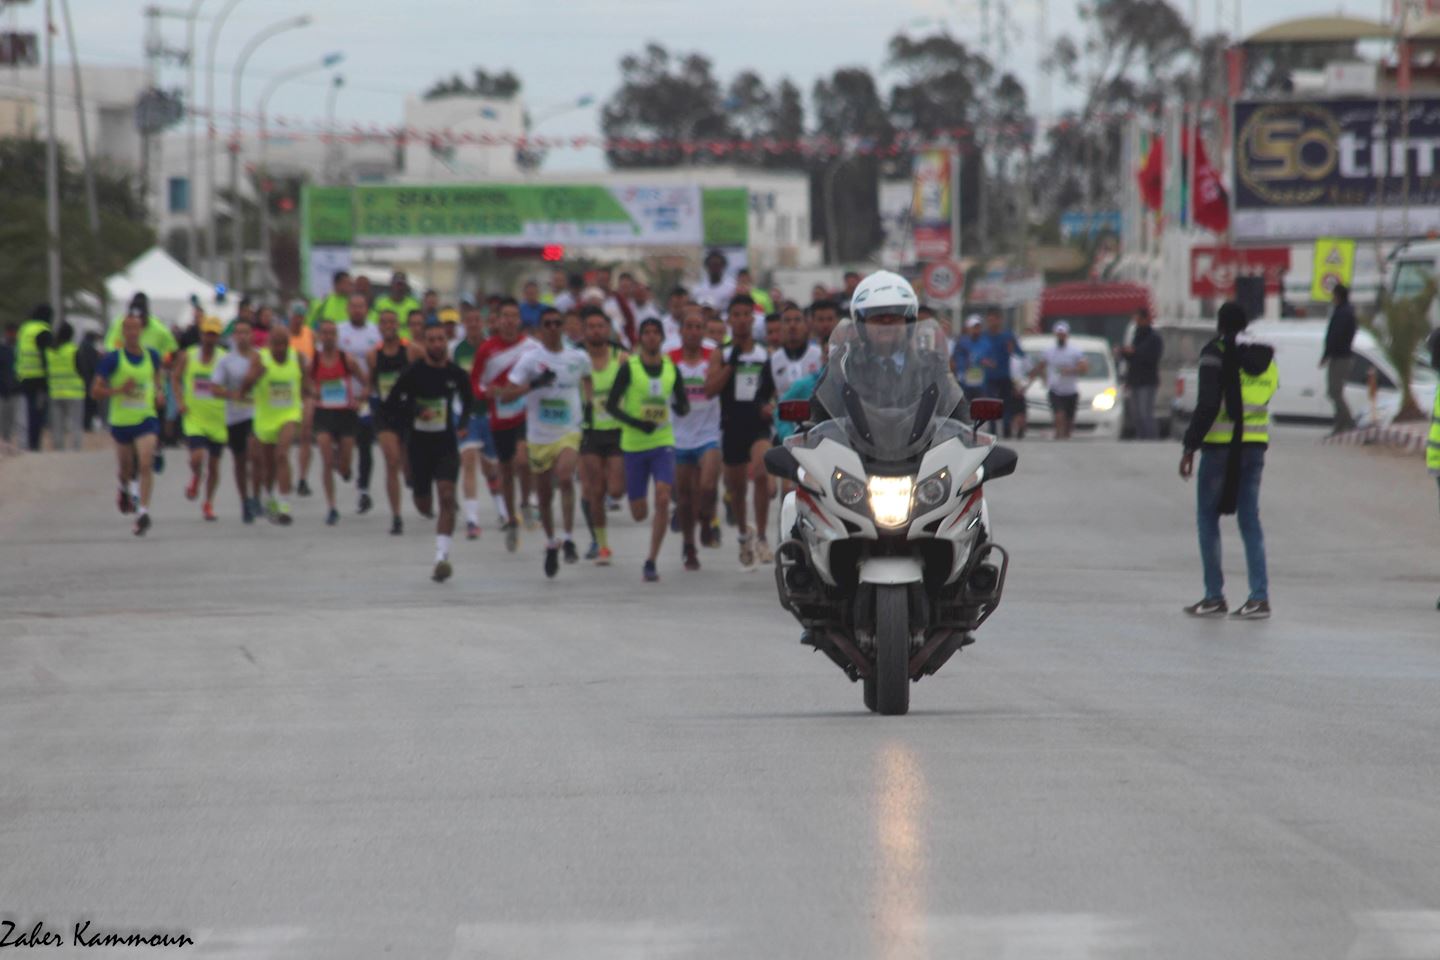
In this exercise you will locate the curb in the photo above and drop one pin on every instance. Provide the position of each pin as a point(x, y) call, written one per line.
point(1407, 438)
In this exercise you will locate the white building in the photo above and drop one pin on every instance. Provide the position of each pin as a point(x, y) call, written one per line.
point(109, 109)
point(450, 147)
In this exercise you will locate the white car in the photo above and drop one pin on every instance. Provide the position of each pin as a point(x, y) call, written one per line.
point(1099, 410)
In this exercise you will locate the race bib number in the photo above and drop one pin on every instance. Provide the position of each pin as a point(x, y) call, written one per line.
point(747, 382)
point(281, 395)
point(555, 411)
point(436, 421)
point(333, 393)
point(202, 387)
point(136, 402)
point(386, 382)
point(510, 408)
point(974, 375)
point(654, 410)
point(695, 388)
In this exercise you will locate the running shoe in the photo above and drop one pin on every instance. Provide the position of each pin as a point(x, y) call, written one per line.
point(123, 501)
point(192, 489)
point(397, 526)
point(692, 559)
point(650, 574)
point(272, 510)
point(604, 557)
point(303, 488)
point(208, 511)
point(365, 503)
point(1252, 610)
point(345, 475)
point(246, 513)
point(552, 561)
point(142, 523)
point(283, 516)
point(1208, 608)
point(612, 504)
point(747, 551)
point(593, 552)
point(512, 536)
point(442, 571)
point(571, 556)
point(472, 531)
point(763, 553)
point(332, 518)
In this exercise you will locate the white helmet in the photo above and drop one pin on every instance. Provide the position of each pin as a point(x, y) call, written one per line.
point(884, 293)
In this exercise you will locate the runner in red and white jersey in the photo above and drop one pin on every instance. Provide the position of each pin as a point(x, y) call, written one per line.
point(493, 361)
point(697, 439)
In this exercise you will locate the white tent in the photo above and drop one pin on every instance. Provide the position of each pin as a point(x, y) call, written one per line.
point(169, 286)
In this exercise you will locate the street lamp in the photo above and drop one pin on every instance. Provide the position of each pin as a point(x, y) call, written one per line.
point(192, 162)
point(212, 243)
point(238, 213)
point(329, 60)
point(332, 150)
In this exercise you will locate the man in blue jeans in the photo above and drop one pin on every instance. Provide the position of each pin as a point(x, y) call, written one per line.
point(1231, 429)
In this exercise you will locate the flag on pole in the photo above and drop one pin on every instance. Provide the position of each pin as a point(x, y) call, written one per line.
point(1151, 175)
point(1212, 203)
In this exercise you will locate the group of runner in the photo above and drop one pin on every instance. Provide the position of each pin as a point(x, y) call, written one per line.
point(656, 412)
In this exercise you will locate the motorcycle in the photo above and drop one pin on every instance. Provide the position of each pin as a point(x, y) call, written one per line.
point(889, 563)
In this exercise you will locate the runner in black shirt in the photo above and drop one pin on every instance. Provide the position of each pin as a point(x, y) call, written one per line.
point(432, 398)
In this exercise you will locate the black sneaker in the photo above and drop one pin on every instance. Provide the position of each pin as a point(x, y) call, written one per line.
point(692, 559)
point(442, 571)
point(332, 518)
point(552, 561)
point(571, 555)
point(1208, 608)
point(365, 503)
point(1252, 610)
point(142, 523)
point(303, 488)
point(397, 527)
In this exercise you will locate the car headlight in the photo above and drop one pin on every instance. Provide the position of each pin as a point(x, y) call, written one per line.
point(890, 500)
point(848, 491)
point(933, 490)
point(1104, 400)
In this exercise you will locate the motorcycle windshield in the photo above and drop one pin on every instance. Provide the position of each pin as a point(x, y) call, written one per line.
point(889, 386)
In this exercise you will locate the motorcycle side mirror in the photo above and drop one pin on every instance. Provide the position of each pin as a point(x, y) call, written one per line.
point(1001, 462)
point(985, 410)
point(780, 462)
point(794, 411)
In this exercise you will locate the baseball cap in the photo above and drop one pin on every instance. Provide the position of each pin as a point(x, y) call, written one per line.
point(972, 321)
point(211, 325)
point(449, 315)
point(1061, 327)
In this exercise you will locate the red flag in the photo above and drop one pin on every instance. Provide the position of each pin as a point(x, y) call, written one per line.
point(1152, 175)
point(1212, 203)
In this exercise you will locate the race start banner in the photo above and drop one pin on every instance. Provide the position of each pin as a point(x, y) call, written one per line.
point(1359, 167)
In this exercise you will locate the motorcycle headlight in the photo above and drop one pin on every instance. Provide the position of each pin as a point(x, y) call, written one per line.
point(933, 490)
point(848, 491)
point(1104, 400)
point(890, 500)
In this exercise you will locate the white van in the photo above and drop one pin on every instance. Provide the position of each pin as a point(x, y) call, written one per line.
point(1302, 394)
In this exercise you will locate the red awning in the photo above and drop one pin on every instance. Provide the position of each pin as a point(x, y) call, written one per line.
point(1082, 299)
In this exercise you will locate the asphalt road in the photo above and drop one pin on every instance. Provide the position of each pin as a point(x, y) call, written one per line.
point(290, 744)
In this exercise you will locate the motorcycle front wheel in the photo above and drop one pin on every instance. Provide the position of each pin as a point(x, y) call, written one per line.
point(891, 680)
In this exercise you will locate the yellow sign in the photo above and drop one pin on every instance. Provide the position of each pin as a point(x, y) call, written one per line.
point(1334, 263)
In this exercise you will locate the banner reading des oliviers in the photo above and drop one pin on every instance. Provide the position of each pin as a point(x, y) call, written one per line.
point(530, 215)
point(1314, 168)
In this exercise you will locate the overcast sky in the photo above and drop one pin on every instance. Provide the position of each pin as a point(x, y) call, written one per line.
point(562, 50)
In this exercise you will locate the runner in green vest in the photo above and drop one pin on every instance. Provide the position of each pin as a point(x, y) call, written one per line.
point(34, 339)
point(399, 299)
point(202, 411)
point(1231, 429)
point(131, 379)
point(277, 382)
point(67, 391)
point(602, 468)
point(646, 389)
point(335, 305)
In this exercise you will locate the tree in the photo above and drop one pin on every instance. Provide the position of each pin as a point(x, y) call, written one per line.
point(1404, 327)
point(86, 263)
point(501, 86)
point(667, 98)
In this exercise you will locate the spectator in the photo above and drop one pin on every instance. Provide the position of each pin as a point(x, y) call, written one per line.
point(1142, 374)
point(1339, 337)
point(66, 390)
point(714, 289)
point(1062, 365)
point(88, 361)
point(34, 340)
point(397, 297)
point(530, 306)
point(9, 383)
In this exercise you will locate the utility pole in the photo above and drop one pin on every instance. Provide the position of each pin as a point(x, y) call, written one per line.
point(52, 171)
point(92, 205)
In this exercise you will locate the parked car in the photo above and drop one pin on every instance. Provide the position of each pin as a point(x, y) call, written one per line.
point(1301, 396)
point(1098, 411)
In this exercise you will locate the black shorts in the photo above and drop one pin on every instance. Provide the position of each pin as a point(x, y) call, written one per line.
point(431, 459)
point(1064, 404)
point(213, 447)
point(600, 443)
point(507, 442)
point(737, 441)
point(239, 437)
point(337, 423)
point(384, 424)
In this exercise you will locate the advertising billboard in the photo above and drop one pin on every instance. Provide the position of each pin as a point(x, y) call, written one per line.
point(1312, 168)
point(933, 192)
